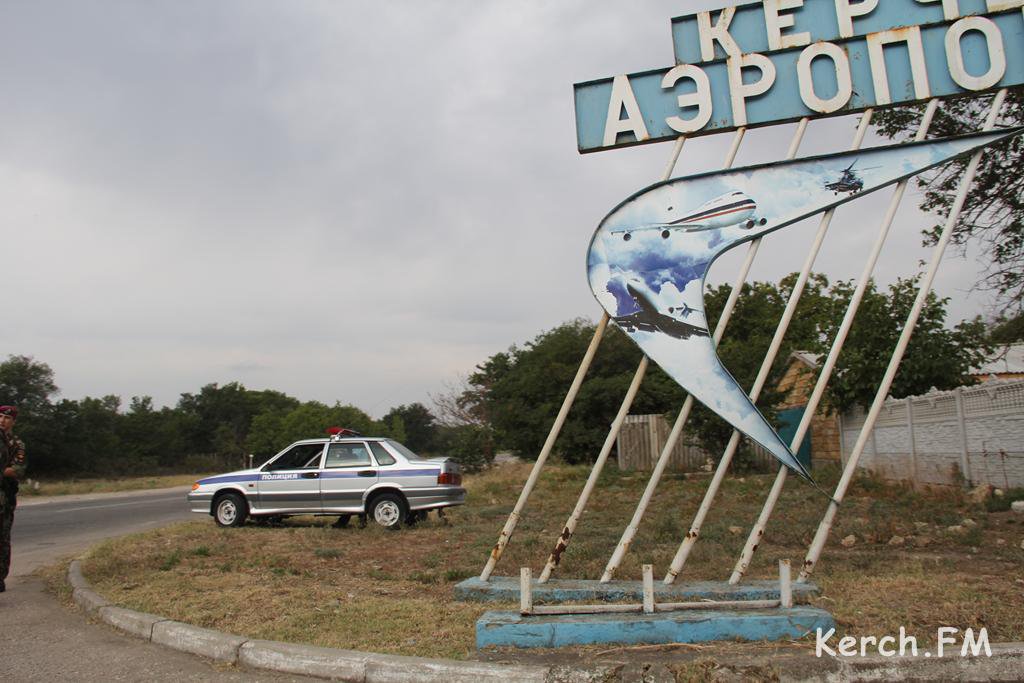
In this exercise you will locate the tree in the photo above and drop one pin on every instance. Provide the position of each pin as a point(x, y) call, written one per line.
point(273, 430)
point(993, 215)
point(418, 424)
point(519, 391)
point(27, 384)
point(1007, 330)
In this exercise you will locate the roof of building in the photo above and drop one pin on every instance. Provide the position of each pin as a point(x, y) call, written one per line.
point(1008, 359)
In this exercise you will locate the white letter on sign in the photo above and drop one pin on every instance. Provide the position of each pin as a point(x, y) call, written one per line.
point(622, 96)
point(950, 8)
point(846, 10)
point(996, 56)
point(998, 5)
point(841, 64)
point(880, 77)
point(700, 99)
point(719, 31)
point(738, 91)
point(774, 22)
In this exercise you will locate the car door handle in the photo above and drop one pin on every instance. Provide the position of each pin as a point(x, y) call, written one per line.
point(310, 475)
point(367, 473)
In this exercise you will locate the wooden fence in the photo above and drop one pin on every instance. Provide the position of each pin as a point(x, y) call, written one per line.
point(642, 438)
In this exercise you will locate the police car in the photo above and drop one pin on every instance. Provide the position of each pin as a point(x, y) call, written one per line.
point(346, 474)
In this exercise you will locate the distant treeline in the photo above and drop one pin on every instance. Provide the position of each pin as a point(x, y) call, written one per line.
point(213, 429)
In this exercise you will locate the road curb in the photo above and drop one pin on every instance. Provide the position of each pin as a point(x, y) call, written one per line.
point(289, 658)
point(365, 667)
point(222, 647)
point(89, 600)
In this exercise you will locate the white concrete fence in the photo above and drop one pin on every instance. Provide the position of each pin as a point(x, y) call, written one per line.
point(970, 435)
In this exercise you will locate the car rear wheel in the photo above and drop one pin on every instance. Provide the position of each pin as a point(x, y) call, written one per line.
point(230, 510)
point(388, 510)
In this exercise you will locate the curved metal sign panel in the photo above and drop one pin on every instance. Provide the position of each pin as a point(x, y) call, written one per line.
point(649, 257)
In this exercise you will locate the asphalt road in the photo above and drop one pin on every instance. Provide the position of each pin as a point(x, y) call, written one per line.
point(41, 640)
point(46, 529)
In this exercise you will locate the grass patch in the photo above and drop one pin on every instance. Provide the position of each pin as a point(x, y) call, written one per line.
point(377, 590)
point(64, 487)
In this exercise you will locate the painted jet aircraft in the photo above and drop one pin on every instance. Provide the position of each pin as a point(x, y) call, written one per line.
point(731, 208)
point(648, 319)
point(688, 355)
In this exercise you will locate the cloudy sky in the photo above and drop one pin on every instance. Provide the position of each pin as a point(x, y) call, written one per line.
point(354, 201)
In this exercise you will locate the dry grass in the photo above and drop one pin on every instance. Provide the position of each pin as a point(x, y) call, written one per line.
point(64, 487)
point(385, 591)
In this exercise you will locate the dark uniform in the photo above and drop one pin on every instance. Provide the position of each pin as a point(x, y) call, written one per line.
point(12, 454)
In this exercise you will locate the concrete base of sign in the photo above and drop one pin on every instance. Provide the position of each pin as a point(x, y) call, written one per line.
point(506, 588)
point(510, 629)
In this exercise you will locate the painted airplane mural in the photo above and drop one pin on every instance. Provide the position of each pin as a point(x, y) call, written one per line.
point(649, 257)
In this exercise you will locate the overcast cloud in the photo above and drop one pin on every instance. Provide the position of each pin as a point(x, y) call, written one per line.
point(343, 200)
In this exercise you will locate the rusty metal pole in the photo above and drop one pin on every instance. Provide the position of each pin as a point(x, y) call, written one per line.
point(684, 413)
point(513, 518)
point(818, 544)
point(762, 376)
point(562, 542)
point(754, 538)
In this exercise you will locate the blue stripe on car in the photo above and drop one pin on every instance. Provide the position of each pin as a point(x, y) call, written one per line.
point(230, 477)
point(326, 474)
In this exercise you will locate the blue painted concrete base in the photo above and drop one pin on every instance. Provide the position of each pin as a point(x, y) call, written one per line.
point(510, 629)
point(506, 588)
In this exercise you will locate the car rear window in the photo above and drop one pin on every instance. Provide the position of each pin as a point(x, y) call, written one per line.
point(409, 455)
point(381, 453)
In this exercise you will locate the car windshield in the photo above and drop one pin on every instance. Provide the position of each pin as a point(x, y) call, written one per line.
point(409, 455)
point(301, 456)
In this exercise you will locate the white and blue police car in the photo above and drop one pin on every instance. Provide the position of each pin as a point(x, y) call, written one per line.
point(346, 474)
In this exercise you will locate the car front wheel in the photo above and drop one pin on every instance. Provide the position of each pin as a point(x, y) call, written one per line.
point(388, 510)
point(230, 510)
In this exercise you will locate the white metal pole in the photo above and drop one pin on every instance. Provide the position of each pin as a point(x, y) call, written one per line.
point(648, 572)
point(513, 518)
point(570, 525)
point(613, 433)
point(785, 584)
point(754, 539)
point(525, 591)
point(556, 428)
point(818, 544)
point(762, 375)
point(684, 413)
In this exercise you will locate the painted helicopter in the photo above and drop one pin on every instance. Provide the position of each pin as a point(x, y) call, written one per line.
point(731, 208)
point(649, 319)
point(848, 181)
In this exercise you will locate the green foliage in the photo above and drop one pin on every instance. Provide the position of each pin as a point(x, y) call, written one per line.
point(1007, 330)
point(212, 430)
point(520, 391)
point(993, 215)
point(472, 446)
point(414, 425)
point(272, 431)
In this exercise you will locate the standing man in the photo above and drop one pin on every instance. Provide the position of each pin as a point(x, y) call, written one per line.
point(12, 467)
